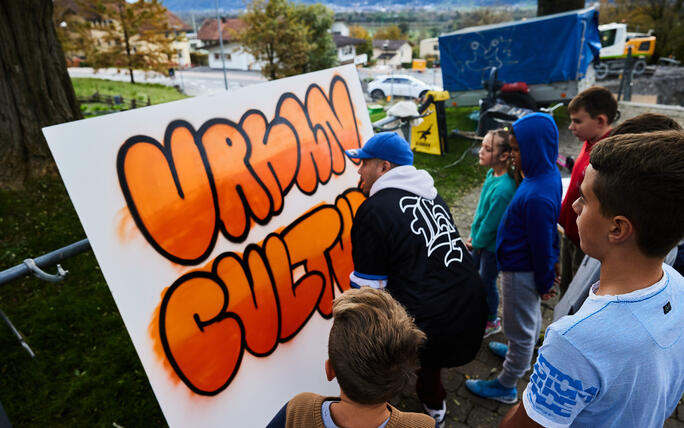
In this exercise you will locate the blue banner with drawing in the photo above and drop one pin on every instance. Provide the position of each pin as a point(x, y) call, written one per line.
point(547, 49)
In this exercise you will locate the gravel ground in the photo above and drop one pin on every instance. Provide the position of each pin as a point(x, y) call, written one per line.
point(665, 83)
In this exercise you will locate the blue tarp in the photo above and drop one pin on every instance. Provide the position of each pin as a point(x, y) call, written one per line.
point(547, 49)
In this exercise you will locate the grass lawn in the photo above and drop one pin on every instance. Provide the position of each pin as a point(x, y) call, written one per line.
point(86, 371)
point(141, 92)
point(453, 181)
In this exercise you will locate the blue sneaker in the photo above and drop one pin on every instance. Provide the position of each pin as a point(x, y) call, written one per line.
point(499, 349)
point(493, 390)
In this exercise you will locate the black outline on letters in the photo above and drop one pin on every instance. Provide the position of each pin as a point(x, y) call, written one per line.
point(197, 136)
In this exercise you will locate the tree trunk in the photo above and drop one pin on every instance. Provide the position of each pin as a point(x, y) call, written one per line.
point(549, 7)
point(122, 21)
point(35, 89)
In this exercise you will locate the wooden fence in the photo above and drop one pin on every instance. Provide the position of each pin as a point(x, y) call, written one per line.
point(117, 102)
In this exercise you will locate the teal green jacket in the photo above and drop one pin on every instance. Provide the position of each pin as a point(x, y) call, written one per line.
point(497, 192)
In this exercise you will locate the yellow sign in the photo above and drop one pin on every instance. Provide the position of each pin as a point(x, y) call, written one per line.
point(418, 64)
point(425, 137)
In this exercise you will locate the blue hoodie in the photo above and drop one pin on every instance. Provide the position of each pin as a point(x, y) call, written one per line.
point(527, 239)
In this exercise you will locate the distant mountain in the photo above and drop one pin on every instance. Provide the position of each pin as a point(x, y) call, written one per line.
point(236, 5)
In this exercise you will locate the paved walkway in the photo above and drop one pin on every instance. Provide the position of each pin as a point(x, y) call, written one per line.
point(463, 408)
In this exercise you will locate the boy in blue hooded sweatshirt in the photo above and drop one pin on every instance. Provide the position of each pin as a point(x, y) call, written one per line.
point(527, 252)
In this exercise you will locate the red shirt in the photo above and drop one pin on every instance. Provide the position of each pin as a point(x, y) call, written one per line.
point(568, 218)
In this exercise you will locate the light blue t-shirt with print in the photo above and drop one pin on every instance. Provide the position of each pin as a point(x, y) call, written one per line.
point(617, 362)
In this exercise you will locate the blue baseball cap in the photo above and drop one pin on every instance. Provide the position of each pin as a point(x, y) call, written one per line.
point(387, 146)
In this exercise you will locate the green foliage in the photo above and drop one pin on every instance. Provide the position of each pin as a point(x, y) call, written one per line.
point(133, 36)
point(484, 16)
point(290, 38)
point(428, 23)
point(665, 17)
point(73, 31)
point(359, 32)
point(389, 33)
point(322, 52)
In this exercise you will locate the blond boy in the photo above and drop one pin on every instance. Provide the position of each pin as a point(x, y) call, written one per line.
point(373, 353)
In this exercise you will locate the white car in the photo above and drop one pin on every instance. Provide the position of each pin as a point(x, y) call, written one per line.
point(399, 85)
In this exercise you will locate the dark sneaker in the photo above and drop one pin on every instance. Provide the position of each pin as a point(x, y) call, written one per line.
point(493, 390)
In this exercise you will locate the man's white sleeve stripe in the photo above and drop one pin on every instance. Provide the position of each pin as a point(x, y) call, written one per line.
point(358, 282)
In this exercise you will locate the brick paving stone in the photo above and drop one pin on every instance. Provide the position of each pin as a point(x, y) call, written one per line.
point(503, 408)
point(452, 380)
point(476, 370)
point(482, 418)
point(458, 409)
point(486, 356)
point(453, 424)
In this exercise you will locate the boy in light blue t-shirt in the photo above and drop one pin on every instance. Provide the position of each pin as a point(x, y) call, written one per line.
point(618, 361)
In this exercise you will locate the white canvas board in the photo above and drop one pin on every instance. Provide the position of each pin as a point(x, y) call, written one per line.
point(185, 203)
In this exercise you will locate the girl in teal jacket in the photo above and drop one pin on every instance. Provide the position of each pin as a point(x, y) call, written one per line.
point(497, 192)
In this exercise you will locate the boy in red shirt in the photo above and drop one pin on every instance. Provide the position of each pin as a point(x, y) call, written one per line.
point(591, 113)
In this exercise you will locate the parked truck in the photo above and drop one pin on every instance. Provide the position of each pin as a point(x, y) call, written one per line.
point(541, 60)
point(616, 43)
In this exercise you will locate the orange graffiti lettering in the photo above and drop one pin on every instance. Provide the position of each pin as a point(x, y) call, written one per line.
point(226, 176)
point(241, 193)
point(207, 319)
point(169, 194)
point(274, 156)
point(196, 303)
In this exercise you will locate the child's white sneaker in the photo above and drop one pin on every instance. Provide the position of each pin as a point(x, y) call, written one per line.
point(438, 415)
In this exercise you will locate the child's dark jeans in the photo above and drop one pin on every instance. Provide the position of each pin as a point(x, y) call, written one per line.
point(486, 263)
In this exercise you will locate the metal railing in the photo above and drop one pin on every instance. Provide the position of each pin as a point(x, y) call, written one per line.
point(35, 267)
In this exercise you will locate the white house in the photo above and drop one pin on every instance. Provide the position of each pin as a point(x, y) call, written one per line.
point(182, 44)
point(235, 57)
point(346, 48)
point(340, 28)
point(429, 47)
point(392, 52)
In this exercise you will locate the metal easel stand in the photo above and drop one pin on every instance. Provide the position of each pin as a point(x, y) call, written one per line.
point(33, 266)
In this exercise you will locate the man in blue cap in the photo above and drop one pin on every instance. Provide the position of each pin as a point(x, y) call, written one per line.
point(404, 240)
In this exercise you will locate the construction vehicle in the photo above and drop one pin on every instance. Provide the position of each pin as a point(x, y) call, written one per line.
point(540, 61)
point(615, 45)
